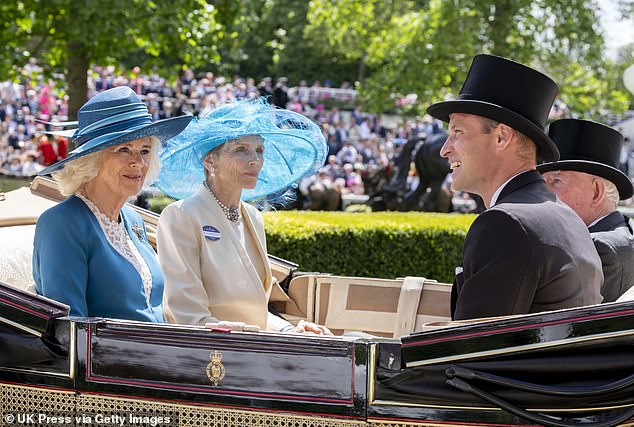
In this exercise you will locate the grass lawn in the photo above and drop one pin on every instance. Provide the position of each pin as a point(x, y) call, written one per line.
point(8, 184)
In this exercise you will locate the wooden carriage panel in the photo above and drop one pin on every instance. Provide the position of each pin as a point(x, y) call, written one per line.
point(381, 307)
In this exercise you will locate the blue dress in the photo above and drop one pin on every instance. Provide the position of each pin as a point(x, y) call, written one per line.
point(74, 263)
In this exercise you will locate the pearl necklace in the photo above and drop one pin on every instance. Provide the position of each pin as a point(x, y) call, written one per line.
point(232, 214)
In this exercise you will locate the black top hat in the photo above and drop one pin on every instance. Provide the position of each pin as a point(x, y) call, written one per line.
point(507, 92)
point(589, 147)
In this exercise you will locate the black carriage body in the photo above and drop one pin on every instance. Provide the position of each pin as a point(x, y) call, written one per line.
point(574, 365)
point(89, 365)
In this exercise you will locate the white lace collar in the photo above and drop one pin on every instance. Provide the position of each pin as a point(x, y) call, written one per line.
point(120, 240)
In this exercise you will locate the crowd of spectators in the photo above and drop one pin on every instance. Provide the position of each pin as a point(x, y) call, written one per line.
point(359, 144)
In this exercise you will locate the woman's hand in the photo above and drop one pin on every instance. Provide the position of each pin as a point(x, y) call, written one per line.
point(310, 327)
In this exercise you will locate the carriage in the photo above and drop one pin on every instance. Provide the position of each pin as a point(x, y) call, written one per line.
point(569, 367)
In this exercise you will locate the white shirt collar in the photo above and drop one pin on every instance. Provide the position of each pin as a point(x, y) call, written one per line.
point(494, 199)
point(597, 220)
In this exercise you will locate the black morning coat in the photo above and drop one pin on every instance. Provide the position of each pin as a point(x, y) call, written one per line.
point(614, 240)
point(527, 253)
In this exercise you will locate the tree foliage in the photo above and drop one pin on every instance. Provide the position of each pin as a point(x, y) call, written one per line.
point(391, 47)
point(68, 35)
point(425, 47)
point(271, 42)
point(350, 27)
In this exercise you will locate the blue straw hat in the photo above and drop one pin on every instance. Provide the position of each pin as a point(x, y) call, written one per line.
point(110, 118)
point(294, 147)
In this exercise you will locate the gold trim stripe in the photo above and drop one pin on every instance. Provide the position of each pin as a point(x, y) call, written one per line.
point(478, 408)
point(33, 371)
point(72, 364)
point(21, 327)
point(381, 423)
point(371, 371)
point(519, 348)
point(423, 405)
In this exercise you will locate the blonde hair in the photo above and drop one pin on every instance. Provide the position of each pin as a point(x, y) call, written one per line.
point(154, 168)
point(76, 173)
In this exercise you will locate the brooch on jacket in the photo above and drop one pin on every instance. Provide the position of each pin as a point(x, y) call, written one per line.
point(138, 230)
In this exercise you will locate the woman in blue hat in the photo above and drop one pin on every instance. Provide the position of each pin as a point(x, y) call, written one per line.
point(91, 251)
point(211, 244)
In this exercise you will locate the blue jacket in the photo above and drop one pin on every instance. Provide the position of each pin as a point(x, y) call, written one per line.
point(74, 263)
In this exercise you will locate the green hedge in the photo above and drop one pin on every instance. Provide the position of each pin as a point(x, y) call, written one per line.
point(378, 244)
point(369, 244)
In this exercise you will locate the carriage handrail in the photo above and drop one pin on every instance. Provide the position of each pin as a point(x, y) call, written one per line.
point(532, 416)
point(470, 374)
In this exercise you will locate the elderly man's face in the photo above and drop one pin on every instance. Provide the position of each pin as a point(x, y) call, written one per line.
point(469, 151)
point(574, 189)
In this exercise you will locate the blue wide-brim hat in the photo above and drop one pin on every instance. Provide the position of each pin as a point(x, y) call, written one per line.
point(294, 147)
point(110, 118)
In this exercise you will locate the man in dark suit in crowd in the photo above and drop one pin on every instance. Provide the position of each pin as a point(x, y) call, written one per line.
point(588, 180)
point(527, 252)
point(280, 93)
point(265, 88)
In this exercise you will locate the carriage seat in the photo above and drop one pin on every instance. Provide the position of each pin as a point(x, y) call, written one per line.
point(381, 307)
point(16, 252)
point(627, 296)
point(19, 210)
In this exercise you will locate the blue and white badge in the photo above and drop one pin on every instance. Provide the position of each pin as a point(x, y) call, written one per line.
point(211, 233)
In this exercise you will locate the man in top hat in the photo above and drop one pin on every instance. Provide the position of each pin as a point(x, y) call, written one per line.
point(588, 180)
point(527, 252)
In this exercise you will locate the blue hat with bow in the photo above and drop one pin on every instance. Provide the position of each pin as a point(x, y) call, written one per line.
point(294, 147)
point(110, 118)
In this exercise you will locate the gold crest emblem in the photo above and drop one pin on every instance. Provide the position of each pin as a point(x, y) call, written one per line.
point(215, 368)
